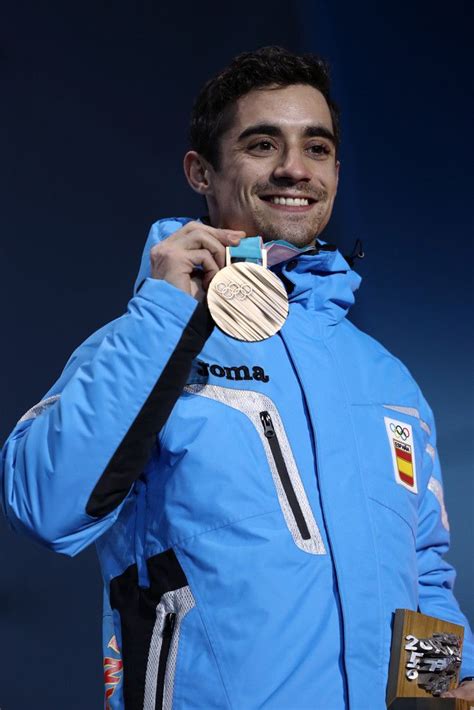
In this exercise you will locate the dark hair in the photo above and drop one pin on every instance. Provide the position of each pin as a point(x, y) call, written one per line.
point(212, 112)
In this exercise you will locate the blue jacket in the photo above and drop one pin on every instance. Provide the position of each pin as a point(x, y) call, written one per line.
point(260, 509)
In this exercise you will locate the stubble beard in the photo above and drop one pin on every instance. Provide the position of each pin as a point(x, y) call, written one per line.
point(295, 229)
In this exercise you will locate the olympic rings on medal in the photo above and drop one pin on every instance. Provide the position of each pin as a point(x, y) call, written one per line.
point(231, 290)
point(402, 432)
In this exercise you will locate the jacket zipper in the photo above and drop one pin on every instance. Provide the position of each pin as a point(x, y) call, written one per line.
point(341, 612)
point(167, 636)
point(285, 479)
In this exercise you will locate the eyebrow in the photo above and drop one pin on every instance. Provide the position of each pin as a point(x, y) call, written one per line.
point(269, 129)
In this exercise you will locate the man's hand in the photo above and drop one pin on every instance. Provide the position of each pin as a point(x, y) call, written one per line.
point(465, 691)
point(176, 258)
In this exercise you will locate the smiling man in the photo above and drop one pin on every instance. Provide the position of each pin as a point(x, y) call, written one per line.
point(260, 508)
point(277, 171)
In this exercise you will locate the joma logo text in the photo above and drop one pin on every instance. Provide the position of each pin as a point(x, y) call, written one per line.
point(236, 372)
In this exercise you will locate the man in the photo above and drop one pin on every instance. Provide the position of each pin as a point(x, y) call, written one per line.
point(256, 525)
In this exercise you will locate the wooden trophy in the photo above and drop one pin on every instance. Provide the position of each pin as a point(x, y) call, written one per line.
point(424, 663)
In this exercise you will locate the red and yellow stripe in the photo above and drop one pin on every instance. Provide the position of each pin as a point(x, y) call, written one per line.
point(404, 463)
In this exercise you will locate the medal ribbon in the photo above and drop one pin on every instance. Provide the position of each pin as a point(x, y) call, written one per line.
point(250, 249)
point(253, 250)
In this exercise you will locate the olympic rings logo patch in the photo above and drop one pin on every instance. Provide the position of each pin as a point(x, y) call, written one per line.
point(235, 290)
point(402, 432)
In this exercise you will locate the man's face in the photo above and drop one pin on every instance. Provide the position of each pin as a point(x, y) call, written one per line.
point(278, 173)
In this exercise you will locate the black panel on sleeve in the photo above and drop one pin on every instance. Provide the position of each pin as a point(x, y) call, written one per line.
point(130, 458)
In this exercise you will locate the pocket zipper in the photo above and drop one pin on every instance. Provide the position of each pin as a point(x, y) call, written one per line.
point(167, 636)
point(285, 479)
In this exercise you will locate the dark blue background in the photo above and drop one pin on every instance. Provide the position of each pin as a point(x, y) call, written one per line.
point(95, 104)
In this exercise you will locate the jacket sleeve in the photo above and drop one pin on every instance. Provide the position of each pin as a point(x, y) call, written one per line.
point(436, 576)
point(71, 460)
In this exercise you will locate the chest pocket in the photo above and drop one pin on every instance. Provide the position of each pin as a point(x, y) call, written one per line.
point(263, 414)
point(391, 440)
point(231, 459)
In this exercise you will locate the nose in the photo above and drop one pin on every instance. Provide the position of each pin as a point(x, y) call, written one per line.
point(292, 166)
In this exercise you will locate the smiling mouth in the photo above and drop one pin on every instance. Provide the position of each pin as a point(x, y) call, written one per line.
point(284, 201)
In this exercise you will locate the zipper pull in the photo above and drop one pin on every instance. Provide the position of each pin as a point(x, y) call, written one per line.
point(168, 627)
point(267, 424)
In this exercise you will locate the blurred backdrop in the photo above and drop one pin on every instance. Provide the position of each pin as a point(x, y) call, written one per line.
point(94, 111)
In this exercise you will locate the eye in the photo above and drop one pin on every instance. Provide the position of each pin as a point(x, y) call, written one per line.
point(319, 149)
point(263, 146)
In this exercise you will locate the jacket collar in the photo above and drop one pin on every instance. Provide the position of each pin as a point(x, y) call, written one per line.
point(323, 282)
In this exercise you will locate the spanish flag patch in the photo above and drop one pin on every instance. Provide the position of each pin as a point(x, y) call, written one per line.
point(400, 436)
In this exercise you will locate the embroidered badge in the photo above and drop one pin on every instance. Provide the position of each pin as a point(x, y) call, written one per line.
point(400, 436)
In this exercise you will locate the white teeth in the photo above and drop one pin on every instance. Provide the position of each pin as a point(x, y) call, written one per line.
point(290, 201)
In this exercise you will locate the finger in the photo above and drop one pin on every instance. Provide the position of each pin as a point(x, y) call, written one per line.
point(460, 692)
point(200, 240)
point(202, 257)
point(176, 250)
point(226, 235)
point(200, 225)
point(223, 235)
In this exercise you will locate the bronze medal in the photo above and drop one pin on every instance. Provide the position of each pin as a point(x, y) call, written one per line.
point(247, 301)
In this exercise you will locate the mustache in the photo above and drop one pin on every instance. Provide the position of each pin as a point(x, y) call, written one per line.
point(316, 193)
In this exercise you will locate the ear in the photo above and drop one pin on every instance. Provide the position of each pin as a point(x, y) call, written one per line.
point(197, 171)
